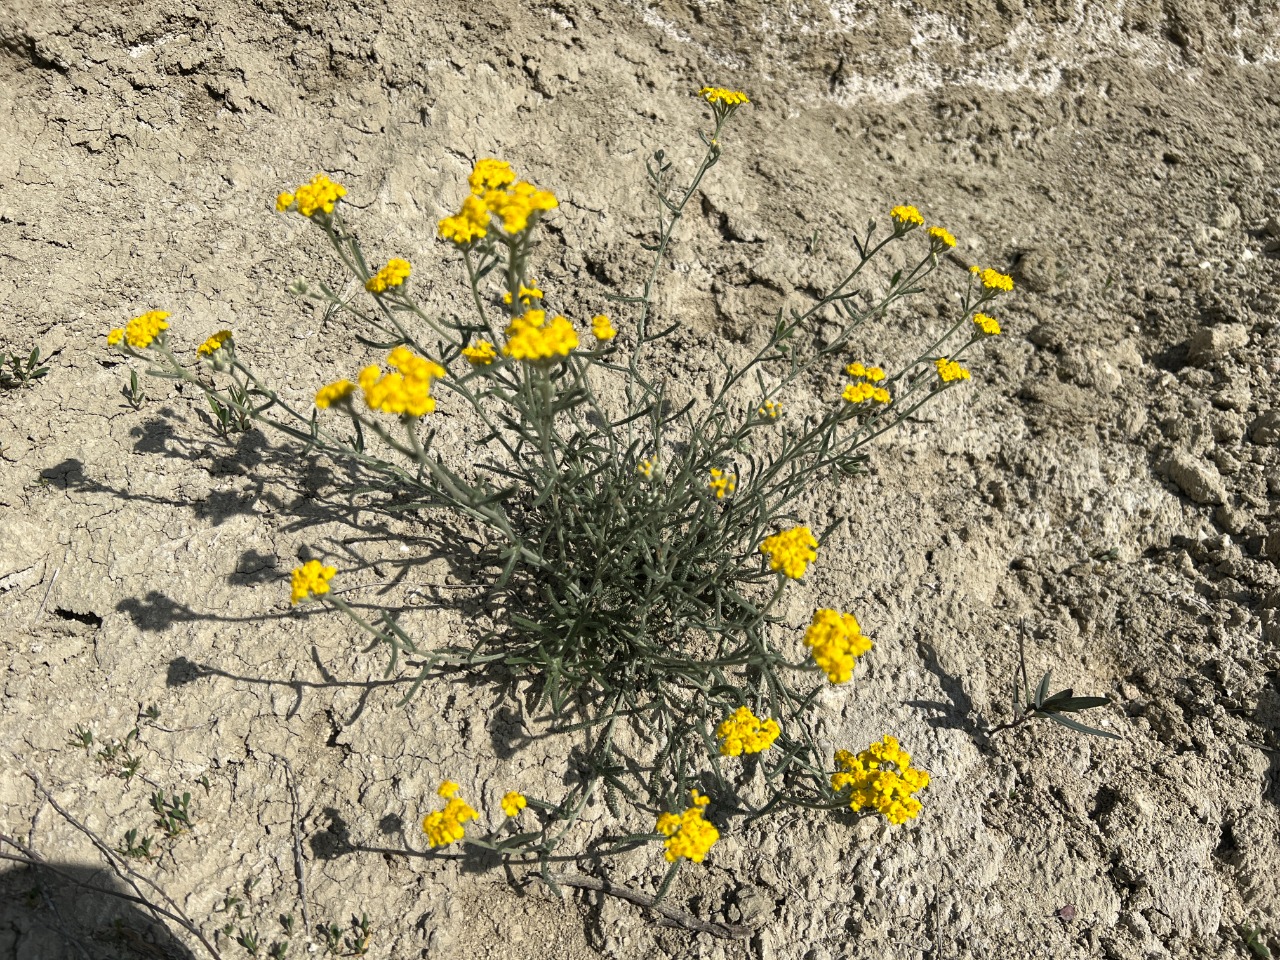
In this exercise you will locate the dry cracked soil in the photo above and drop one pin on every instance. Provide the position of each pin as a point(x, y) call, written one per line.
point(1110, 477)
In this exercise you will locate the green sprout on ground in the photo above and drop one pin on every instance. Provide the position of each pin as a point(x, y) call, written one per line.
point(173, 816)
point(1044, 705)
point(23, 371)
point(134, 393)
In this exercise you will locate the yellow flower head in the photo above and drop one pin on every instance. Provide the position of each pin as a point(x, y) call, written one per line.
point(836, 641)
point(527, 294)
point(532, 337)
point(720, 95)
point(864, 391)
point(334, 393)
point(601, 328)
point(489, 174)
point(688, 834)
point(791, 551)
point(907, 216)
point(406, 392)
point(988, 325)
point(480, 355)
point(744, 732)
point(520, 205)
point(771, 409)
point(140, 332)
point(444, 827)
point(645, 467)
point(311, 580)
point(992, 279)
point(214, 343)
point(861, 372)
point(941, 238)
point(949, 370)
point(880, 777)
point(721, 484)
point(513, 803)
point(320, 195)
point(470, 223)
point(393, 274)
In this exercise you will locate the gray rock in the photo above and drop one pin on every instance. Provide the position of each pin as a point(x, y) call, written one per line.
point(1197, 478)
point(1266, 429)
point(1212, 344)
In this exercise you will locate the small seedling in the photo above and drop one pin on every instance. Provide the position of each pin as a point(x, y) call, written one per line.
point(249, 940)
point(332, 936)
point(114, 755)
point(279, 950)
point(1046, 705)
point(231, 417)
point(1252, 937)
point(134, 848)
point(286, 924)
point(172, 816)
point(24, 370)
point(82, 737)
point(361, 933)
point(134, 392)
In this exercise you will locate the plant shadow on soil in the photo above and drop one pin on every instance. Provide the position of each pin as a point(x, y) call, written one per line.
point(71, 910)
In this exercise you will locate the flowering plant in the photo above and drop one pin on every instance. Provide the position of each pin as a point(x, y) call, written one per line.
point(638, 550)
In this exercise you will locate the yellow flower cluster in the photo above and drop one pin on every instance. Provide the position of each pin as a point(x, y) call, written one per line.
point(908, 218)
point(406, 392)
point(214, 343)
point(602, 328)
point(320, 194)
point(744, 732)
point(871, 784)
point(334, 393)
point(771, 409)
point(860, 372)
point(729, 98)
point(861, 392)
point(495, 191)
point(907, 215)
point(942, 237)
point(490, 174)
point(791, 551)
point(722, 485)
point(527, 294)
point(531, 337)
point(988, 325)
point(688, 834)
point(444, 827)
point(836, 641)
point(481, 355)
point(517, 206)
point(864, 391)
point(470, 223)
point(311, 580)
point(513, 803)
point(991, 279)
point(949, 370)
point(393, 274)
point(140, 331)
point(645, 467)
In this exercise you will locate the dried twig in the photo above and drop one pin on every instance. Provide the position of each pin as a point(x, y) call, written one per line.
point(49, 589)
point(298, 867)
point(667, 916)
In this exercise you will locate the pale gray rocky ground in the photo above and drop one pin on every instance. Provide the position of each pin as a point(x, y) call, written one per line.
point(1111, 474)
